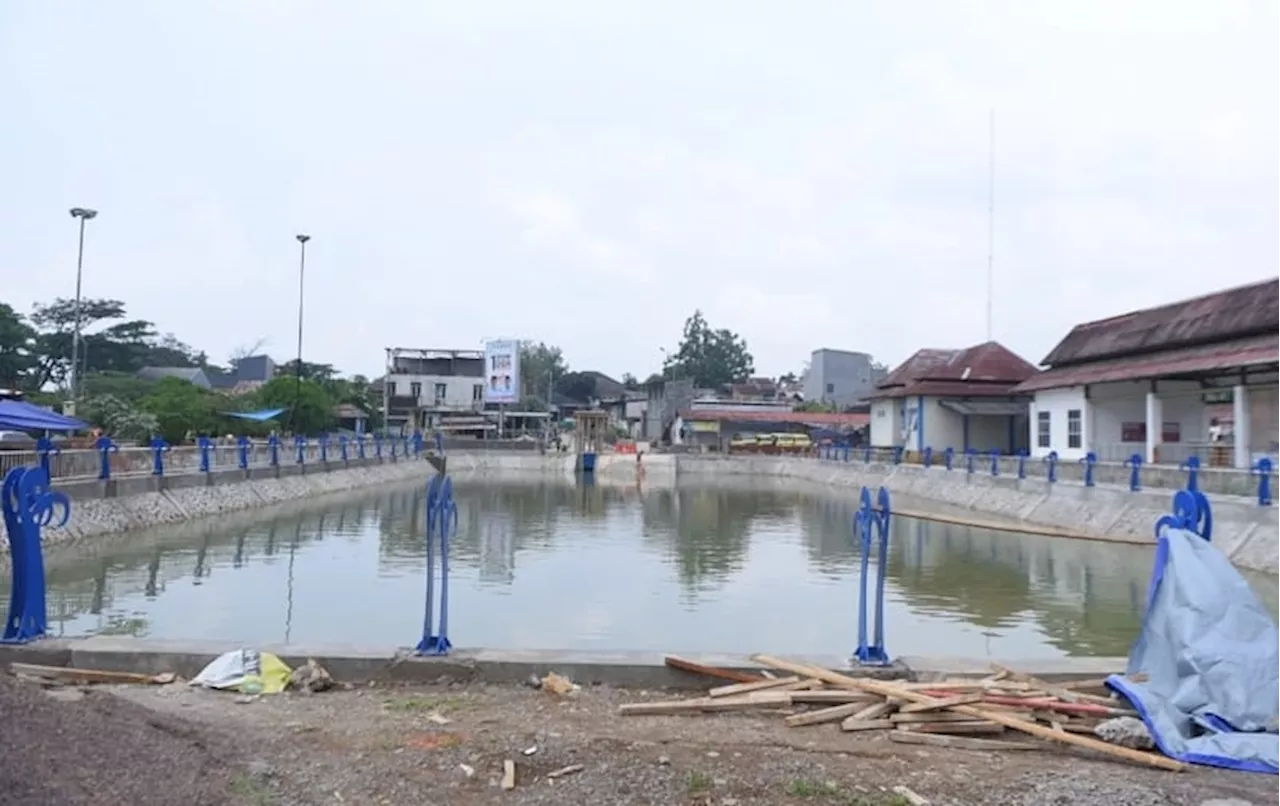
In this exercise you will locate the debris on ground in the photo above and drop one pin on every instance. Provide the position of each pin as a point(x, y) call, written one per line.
point(310, 678)
point(508, 775)
point(247, 671)
point(557, 684)
point(959, 714)
point(70, 675)
point(1125, 731)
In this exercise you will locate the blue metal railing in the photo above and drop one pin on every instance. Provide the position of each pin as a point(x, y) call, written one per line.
point(871, 525)
point(29, 505)
point(442, 524)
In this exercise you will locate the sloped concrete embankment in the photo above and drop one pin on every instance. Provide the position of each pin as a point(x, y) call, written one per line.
point(1248, 533)
point(137, 504)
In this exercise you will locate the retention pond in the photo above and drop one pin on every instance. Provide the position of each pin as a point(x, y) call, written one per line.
point(546, 566)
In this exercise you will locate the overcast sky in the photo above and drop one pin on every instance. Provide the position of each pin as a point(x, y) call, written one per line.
point(809, 174)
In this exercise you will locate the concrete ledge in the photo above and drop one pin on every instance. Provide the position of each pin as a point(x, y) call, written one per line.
point(356, 664)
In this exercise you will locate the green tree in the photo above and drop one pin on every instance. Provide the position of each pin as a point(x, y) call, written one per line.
point(541, 367)
point(124, 386)
point(181, 408)
point(17, 348)
point(120, 419)
point(630, 382)
point(712, 358)
point(309, 408)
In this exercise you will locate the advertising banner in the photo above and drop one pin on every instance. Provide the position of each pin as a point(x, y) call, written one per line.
point(502, 371)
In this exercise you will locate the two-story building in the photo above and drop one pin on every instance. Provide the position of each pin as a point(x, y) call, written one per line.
point(433, 389)
point(1155, 383)
point(960, 399)
point(842, 378)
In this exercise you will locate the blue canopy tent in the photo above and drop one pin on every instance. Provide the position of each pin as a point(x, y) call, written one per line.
point(20, 416)
point(260, 416)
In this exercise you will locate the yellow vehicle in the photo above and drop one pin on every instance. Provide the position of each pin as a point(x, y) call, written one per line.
point(793, 443)
point(744, 443)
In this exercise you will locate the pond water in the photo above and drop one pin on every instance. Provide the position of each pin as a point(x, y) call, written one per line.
point(535, 565)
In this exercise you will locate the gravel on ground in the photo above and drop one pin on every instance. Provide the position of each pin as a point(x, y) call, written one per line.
point(447, 744)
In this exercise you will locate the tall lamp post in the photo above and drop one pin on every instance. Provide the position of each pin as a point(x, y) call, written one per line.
point(297, 367)
point(84, 214)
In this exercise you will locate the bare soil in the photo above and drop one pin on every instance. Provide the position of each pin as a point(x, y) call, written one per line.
point(446, 744)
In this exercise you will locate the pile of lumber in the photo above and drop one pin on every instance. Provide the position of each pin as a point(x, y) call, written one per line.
point(971, 714)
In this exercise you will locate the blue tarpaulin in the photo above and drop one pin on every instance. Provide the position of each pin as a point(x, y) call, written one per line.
point(1208, 661)
point(20, 416)
point(256, 416)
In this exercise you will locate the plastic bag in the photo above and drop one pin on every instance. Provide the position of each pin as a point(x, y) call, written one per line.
point(245, 670)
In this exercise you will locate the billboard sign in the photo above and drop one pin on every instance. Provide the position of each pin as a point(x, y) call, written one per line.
point(502, 371)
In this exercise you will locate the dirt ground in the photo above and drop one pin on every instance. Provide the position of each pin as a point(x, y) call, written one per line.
point(446, 744)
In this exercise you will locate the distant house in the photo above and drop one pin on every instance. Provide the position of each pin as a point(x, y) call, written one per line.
point(247, 374)
point(961, 399)
point(841, 377)
point(351, 417)
point(193, 375)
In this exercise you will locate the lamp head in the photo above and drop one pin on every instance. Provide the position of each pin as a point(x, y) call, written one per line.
point(83, 212)
point(303, 238)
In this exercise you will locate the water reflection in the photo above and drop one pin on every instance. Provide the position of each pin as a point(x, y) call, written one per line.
point(539, 565)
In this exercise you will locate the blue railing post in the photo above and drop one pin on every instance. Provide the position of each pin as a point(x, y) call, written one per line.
point(897, 454)
point(323, 441)
point(439, 444)
point(300, 450)
point(928, 457)
point(392, 442)
point(377, 446)
point(1051, 472)
point(845, 449)
point(872, 523)
point(29, 505)
point(866, 454)
point(1263, 468)
point(1192, 466)
point(1191, 511)
point(995, 462)
point(273, 448)
point(46, 449)
point(1135, 474)
point(105, 448)
point(342, 448)
point(949, 456)
point(1090, 459)
point(404, 445)
point(360, 446)
point(442, 524)
point(418, 444)
point(158, 449)
point(970, 456)
point(243, 446)
point(1022, 463)
point(205, 446)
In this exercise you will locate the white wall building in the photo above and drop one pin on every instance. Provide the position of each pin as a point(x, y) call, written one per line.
point(422, 385)
point(1149, 383)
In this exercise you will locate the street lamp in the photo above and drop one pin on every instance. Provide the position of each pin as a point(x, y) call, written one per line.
point(84, 214)
point(297, 367)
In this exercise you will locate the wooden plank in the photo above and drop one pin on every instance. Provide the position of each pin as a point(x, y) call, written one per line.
point(971, 728)
point(959, 742)
point(824, 715)
point(71, 674)
point(919, 719)
point(942, 704)
point(853, 725)
point(890, 690)
point(663, 708)
point(832, 697)
point(1061, 692)
point(734, 689)
point(760, 699)
point(676, 662)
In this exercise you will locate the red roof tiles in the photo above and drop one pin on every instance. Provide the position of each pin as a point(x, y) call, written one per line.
point(983, 370)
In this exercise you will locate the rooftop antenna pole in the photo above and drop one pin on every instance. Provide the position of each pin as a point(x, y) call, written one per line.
point(991, 216)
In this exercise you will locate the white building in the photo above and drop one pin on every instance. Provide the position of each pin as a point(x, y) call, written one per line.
point(959, 399)
point(422, 388)
point(1151, 383)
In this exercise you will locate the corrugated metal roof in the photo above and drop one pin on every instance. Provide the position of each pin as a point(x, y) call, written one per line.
point(814, 418)
point(1232, 314)
point(1223, 356)
point(985, 369)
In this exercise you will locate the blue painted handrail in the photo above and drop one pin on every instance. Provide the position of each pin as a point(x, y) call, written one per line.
point(1135, 473)
point(1022, 463)
point(1089, 460)
point(898, 450)
point(342, 448)
point(970, 457)
point(205, 446)
point(273, 449)
point(1192, 466)
point(46, 450)
point(949, 456)
point(1191, 511)
point(928, 457)
point(442, 524)
point(29, 505)
point(158, 449)
point(323, 442)
point(377, 446)
point(360, 446)
point(866, 454)
point(871, 523)
point(105, 447)
point(244, 446)
point(300, 450)
point(1263, 469)
point(995, 462)
point(1051, 462)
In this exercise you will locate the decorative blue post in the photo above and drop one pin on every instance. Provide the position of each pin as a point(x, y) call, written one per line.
point(1192, 466)
point(273, 447)
point(158, 449)
point(949, 456)
point(300, 450)
point(1052, 461)
point(243, 446)
point(1090, 459)
point(1022, 463)
point(418, 444)
point(323, 441)
point(29, 505)
point(105, 448)
point(1263, 468)
point(404, 444)
point(439, 444)
point(1135, 474)
point(360, 446)
point(205, 445)
point(442, 523)
point(46, 449)
point(392, 442)
point(928, 457)
point(1191, 511)
point(846, 448)
point(377, 445)
point(342, 448)
point(897, 454)
point(866, 454)
point(869, 523)
point(970, 456)
point(995, 462)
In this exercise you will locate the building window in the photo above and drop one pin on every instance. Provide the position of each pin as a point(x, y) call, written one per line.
point(1171, 432)
point(415, 390)
point(391, 388)
point(1133, 432)
point(831, 388)
point(1075, 429)
point(477, 393)
point(1043, 420)
point(441, 393)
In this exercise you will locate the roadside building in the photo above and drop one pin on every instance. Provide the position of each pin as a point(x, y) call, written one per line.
point(961, 399)
point(715, 428)
point(1154, 383)
point(434, 389)
point(626, 412)
point(842, 378)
